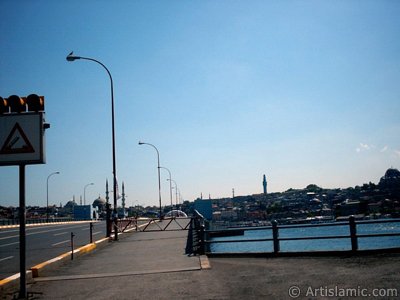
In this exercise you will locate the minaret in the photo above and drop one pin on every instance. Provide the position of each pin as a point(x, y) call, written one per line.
point(233, 193)
point(107, 197)
point(123, 198)
point(265, 185)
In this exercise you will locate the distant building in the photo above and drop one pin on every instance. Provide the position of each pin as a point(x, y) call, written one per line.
point(99, 203)
point(204, 207)
point(265, 185)
point(84, 212)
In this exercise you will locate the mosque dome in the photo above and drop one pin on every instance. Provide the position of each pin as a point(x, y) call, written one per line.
point(391, 179)
point(392, 173)
point(100, 203)
point(70, 204)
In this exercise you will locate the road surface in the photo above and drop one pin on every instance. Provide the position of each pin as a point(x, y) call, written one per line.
point(43, 243)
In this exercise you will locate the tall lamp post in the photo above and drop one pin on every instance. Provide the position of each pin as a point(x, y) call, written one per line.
point(47, 207)
point(158, 168)
point(176, 191)
point(72, 57)
point(170, 186)
point(84, 192)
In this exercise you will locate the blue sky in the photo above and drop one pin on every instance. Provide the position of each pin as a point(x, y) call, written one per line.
point(302, 91)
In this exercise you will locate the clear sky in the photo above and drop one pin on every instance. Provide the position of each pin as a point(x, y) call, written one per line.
point(302, 91)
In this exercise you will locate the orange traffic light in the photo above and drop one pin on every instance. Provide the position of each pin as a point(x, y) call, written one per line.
point(3, 106)
point(35, 103)
point(17, 104)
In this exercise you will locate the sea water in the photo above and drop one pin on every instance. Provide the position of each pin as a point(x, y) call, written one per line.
point(334, 244)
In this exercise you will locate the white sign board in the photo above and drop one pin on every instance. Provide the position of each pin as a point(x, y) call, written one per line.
point(21, 139)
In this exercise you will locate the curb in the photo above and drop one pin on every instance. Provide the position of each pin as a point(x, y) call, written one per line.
point(13, 281)
point(36, 271)
point(44, 266)
point(39, 269)
point(204, 262)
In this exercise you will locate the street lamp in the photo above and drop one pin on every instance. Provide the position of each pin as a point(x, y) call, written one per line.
point(47, 207)
point(170, 187)
point(72, 57)
point(84, 192)
point(158, 168)
point(176, 192)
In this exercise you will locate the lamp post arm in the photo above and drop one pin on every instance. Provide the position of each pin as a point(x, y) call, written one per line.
point(158, 168)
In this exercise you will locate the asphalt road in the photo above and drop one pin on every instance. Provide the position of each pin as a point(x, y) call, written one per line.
point(43, 243)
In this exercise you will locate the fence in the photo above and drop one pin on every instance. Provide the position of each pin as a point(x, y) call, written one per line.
point(276, 229)
point(196, 235)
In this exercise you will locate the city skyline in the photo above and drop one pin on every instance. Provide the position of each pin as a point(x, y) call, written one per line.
point(304, 92)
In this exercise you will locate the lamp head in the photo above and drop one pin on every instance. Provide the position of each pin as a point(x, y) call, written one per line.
point(141, 143)
point(72, 57)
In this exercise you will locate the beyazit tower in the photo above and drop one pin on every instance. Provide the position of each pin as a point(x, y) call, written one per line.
point(265, 185)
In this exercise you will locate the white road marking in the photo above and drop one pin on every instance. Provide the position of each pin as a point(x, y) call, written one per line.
point(9, 237)
point(5, 258)
point(9, 244)
point(39, 232)
point(61, 233)
point(8, 231)
point(59, 243)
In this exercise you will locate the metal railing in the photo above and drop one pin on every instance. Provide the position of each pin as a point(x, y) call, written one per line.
point(196, 236)
point(276, 229)
point(195, 226)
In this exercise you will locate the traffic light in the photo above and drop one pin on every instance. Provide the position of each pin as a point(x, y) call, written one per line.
point(35, 102)
point(3, 106)
point(17, 104)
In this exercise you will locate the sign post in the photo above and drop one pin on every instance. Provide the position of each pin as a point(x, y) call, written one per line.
point(21, 143)
point(22, 234)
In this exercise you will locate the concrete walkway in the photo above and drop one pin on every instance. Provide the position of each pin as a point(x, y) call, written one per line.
point(152, 265)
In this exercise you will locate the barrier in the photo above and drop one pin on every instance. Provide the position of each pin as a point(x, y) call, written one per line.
point(353, 236)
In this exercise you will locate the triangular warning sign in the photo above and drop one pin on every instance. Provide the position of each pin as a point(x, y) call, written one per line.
point(17, 142)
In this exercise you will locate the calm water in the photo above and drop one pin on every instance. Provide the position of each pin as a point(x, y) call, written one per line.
point(312, 245)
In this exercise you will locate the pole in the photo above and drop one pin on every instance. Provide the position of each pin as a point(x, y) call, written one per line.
point(170, 185)
point(72, 57)
point(159, 180)
point(91, 232)
point(22, 234)
point(108, 213)
point(353, 233)
point(72, 245)
point(47, 208)
point(275, 235)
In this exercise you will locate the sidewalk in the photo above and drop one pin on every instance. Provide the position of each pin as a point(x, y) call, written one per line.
point(152, 265)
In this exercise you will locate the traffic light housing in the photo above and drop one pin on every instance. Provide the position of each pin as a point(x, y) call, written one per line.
point(3, 106)
point(17, 104)
point(35, 103)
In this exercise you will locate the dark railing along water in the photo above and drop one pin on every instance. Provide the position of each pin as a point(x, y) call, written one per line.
point(352, 230)
point(196, 235)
